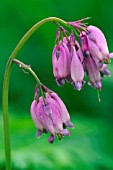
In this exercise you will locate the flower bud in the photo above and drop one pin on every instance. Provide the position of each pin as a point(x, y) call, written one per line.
point(85, 46)
point(97, 43)
point(77, 71)
point(33, 111)
point(60, 64)
point(93, 73)
point(79, 52)
point(64, 112)
point(68, 55)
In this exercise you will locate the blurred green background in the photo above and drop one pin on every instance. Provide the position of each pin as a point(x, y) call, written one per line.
point(90, 146)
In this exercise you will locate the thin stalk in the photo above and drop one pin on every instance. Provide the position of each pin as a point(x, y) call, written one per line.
point(27, 67)
point(98, 94)
point(6, 84)
point(63, 30)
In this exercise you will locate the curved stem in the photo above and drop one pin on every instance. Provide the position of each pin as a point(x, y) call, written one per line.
point(27, 67)
point(6, 84)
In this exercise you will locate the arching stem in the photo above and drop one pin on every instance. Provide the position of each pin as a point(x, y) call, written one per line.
point(6, 84)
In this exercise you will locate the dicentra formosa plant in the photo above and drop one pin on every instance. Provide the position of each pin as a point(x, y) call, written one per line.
point(78, 50)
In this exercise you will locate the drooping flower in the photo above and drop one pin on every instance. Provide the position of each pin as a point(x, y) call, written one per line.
point(97, 43)
point(92, 56)
point(77, 71)
point(51, 117)
point(72, 58)
point(79, 52)
point(68, 55)
point(33, 111)
point(64, 112)
point(93, 73)
point(60, 64)
point(90, 65)
point(77, 67)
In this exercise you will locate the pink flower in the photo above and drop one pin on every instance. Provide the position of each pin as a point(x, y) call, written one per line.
point(70, 60)
point(33, 111)
point(85, 45)
point(93, 73)
point(52, 117)
point(97, 44)
point(75, 60)
point(77, 71)
point(91, 67)
point(64, 112)
point(60, 63)
point(79, 52)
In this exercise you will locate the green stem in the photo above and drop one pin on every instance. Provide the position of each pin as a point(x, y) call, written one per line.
point(27, 67)
point(6, 84)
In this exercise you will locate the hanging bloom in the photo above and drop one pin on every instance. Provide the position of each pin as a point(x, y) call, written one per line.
point(85, 45)
point(77, 71)
point(68, 57)
point(68, 44)
point(51, 117)
point(75, 62)
point(91, 57)
point(90, 65)
point(60, 64)
point(97, 39)
point(64, 112)
point(93, 73)
point(33, 111)
point(79, 52)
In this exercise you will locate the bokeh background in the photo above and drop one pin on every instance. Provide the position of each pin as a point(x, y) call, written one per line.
point(90, 146)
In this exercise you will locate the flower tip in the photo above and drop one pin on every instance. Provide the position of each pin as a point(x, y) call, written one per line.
point(78, 86)
point(60, 82)
point(51, 139)
point(39, 133)
point(111, 55)
point(86, 53)
point(100, 64)
point(66, 132)
point(98, 85)
point(69, 124)
point(85, 19)
point(107, 73)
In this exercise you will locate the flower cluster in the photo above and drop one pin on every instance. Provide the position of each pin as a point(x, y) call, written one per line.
point(71, 60)
point(50, 115)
